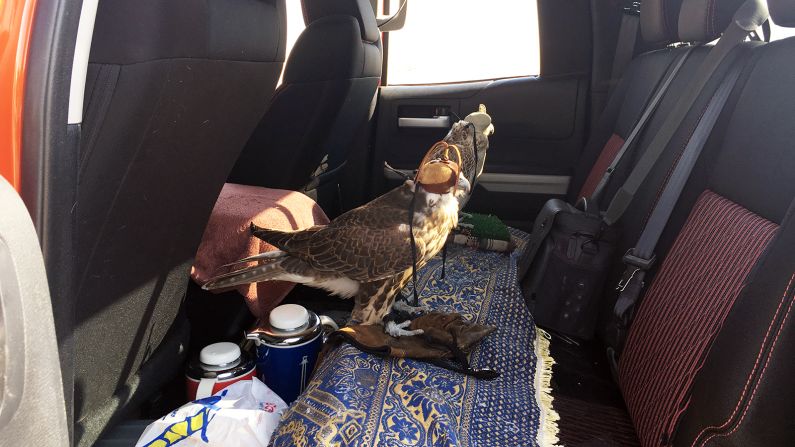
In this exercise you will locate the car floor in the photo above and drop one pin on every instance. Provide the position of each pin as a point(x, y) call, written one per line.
point(581, 371)
point(585, 396)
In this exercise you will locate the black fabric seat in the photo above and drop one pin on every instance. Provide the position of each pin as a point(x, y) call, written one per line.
point(631, 95)
point(174, 89)
point(641, 80)
point(330, 81)
point(742, 393)
point(642, 77)
point(708, 359)
point(705, 338)
point(628, 102)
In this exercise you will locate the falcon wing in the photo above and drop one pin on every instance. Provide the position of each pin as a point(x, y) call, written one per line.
point(365, 244)
point(362, 252)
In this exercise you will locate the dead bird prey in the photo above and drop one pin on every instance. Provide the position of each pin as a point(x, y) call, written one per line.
point(366, 253)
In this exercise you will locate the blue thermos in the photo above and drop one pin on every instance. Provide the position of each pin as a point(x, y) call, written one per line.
point(287, 349)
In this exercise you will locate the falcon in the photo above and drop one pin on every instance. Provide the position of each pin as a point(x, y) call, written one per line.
point(477, 124)
point(369, 253)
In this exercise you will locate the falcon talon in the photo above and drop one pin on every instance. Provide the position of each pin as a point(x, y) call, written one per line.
point(401, 306)
point(399, 330)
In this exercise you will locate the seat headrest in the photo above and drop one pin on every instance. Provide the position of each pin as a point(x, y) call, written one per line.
point(704, 20)
point(362, 10)
point(782, 12)
point(658, 21)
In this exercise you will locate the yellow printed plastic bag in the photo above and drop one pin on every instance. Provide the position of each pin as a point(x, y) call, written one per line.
point(243, 415)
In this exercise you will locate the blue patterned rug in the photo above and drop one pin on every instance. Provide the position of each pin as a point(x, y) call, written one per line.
point(357, 400)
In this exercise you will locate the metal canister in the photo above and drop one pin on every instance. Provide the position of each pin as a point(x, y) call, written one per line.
point(218, 366)
point(287, 349)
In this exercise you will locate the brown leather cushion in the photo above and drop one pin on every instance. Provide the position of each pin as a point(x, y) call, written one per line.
point(227, 238)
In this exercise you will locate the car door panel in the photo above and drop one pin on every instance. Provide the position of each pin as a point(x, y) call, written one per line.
point(540, 127)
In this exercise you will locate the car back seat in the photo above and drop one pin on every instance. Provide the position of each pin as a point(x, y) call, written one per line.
point(631, 95)
point(174, 89)
point(708, 360)
point(624, 108)
point(706, 332)
point(627, 104)
point(634, 221)
point(640, 81)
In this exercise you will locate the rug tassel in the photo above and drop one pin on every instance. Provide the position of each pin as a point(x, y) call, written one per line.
point(548, 423)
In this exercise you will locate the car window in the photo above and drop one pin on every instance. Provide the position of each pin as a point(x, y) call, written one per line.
point(295, 26)
point(779, 32)
point(446, 41)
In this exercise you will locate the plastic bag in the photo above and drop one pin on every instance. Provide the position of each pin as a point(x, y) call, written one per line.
point(243, 415)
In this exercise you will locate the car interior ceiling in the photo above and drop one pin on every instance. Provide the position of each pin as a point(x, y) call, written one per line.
point(183, 96)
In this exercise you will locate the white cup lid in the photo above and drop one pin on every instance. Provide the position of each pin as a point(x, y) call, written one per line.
point(219, 354)
point(288, 317)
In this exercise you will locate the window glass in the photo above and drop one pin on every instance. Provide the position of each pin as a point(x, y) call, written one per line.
point(464, 40)
point(295, 26)
point(779, 32)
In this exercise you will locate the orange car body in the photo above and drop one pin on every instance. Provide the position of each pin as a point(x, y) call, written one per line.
point(16, 18)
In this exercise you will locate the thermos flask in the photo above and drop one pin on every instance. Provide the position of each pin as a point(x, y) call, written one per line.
point(218, 366)
point(287, 348)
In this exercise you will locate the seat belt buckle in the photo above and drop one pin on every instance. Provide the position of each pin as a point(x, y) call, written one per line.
point(626, 279)
point(631, 7)
point(636, 261)
point(636, 264)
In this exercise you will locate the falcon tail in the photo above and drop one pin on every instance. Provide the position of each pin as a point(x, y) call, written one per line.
point(282, 240)
point(268, 255)
point(259, 273)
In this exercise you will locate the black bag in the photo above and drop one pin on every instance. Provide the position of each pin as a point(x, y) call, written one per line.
point(567, 262)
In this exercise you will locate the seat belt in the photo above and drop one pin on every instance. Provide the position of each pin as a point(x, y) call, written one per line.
point(748, 18)
point(625, 45)
point(593, 201)
point(543, 223)
point(641, 258)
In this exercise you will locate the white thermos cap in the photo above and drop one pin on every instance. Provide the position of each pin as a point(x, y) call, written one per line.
point(218, 354)
point(288, 317)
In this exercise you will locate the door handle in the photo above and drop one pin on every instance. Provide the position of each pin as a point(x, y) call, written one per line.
point(437, 122)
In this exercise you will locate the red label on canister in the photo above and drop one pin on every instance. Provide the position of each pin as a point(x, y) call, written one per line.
point(211, 386)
